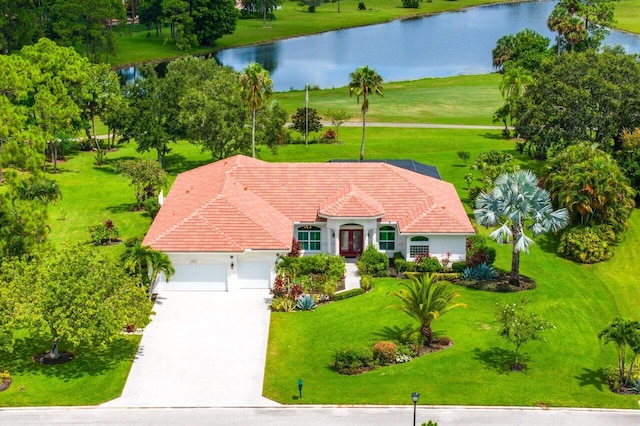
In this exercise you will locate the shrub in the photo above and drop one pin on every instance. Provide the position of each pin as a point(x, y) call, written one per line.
point(306, 303)
point(374, 263)
point(352, 360)
point(366, 282)
point(104, 233)
point(348, 294)
point(361, 6)
point(479, 252)
point(283, 304)
point(410, 4)
point(458, 267)
point(584, 245)
point(385, 352)
point(329, 136)
point(295, 291)
point(482, 272)
point(402, 266)
point(151, 206)
point(4, 375)
point(428, 264)
point(279, 287)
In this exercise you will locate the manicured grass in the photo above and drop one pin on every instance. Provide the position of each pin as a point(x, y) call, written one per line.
point(564, 371)
point(627, 15)
point(93, 377)
point(452, 100)
point(291, 21)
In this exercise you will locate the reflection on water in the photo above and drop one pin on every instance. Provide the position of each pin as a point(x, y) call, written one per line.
point(442, 45)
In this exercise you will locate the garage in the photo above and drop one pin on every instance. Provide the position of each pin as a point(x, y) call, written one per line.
point(254, 274)
point(198, 277)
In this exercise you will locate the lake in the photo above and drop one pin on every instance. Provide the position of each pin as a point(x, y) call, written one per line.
point(442, 45)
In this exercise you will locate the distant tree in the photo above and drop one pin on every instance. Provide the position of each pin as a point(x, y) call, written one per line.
point(515, 200)
point(18, 25)
point(213, 19)
point(215, 116)
point(426, 300)
point(151, 122)
point(88, 23)
point(150, 13)
point(585, 96)
point(311, 4)
point(338, 117)
point(75, 295)
point(256, 87)
point(301, 122)
point(519, 327)
point(464, 156)
point(410, 4)
point(270, 126)
point(147, 178)
point(363, 82)
point(526, 49)
point(625, 335)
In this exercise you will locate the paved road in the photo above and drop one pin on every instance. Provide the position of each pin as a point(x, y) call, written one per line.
point(399, 125)
point(319, 416)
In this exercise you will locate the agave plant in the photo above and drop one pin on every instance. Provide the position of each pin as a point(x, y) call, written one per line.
point(306, 303)
point(482, 272)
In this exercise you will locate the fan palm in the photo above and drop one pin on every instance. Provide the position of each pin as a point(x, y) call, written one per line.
point(426, 300)
point(364, 81)
point(256, 89)
point(515, 199)
point(514, 83)
point(625, 334)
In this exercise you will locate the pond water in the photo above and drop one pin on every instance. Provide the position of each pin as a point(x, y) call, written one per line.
point(447, 44)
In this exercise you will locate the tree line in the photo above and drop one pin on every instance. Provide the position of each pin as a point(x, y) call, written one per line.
point(89, 25)
point(575, 105)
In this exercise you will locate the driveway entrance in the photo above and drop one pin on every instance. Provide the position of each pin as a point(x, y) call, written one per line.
point(202, 349)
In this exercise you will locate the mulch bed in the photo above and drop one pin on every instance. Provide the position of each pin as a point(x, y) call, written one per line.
point(4, 385)
point(500, 285)
point(44, 359)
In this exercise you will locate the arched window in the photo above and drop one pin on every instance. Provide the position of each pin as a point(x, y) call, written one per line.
point(418, 246)
point(309, 238)
point(387, 238)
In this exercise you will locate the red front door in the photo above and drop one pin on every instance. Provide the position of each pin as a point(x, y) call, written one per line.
point(351, 242)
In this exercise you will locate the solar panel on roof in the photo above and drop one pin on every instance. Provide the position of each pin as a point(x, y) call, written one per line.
point(411, 165)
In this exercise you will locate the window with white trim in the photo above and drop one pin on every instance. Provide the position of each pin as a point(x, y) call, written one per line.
point(387, 238)
point(309, 238)
point(418, 246)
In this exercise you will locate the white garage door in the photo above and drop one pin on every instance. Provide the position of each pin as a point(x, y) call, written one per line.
point(254, 274)
point(199, 277)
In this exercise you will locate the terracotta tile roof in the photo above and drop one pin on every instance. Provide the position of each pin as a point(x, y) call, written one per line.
point(242, 203)
point(350, 201)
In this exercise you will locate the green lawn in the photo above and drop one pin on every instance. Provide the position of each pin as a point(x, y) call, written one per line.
point(93, 377)
point(452, 100)
point(564, 371)
point(627, 15)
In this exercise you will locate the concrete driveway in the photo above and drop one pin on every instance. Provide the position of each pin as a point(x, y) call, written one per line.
point(202, 349)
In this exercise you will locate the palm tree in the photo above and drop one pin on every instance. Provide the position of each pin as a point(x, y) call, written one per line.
point(515, 199)
point(574, 31)
point(256, 89)
point(364, 81)
point(625, 334)
point(514, 83)
point(147, 264)
point(425, 301)
point(556, 20)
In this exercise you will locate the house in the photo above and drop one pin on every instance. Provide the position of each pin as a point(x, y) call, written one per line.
point(224, 225)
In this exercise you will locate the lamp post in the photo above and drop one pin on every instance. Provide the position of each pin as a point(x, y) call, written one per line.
point(300, 387)
point(415, 397)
